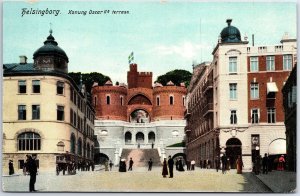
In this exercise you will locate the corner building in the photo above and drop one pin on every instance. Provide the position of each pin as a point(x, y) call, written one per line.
point(244, 113)
point(139, 116)
point(45, 112)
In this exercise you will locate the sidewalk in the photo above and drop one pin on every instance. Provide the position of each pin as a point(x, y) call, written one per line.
point(279, 181)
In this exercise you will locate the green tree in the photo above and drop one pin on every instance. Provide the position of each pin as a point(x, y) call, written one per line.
point(177, 76)
point(88, 79)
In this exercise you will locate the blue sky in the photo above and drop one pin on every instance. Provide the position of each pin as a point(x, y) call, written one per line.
point(163, 36)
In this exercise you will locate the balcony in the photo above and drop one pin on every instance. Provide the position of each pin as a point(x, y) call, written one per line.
point(187, 114)
point(207, 86)
point(208, 109)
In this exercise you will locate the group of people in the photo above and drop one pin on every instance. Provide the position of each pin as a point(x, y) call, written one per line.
point(122, 165)
point(267, 165)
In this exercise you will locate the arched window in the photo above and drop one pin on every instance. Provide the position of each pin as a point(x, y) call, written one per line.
point(108, 100)
point(151, 137)
point(29, 141)
point(121, 99)
point(72, 143)
point(171, 100)
point(79, 150)
point(128, 137)
point(60, 146)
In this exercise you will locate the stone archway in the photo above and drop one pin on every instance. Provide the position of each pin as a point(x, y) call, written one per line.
point(233, 150)
point(128, 137)
point(140, 138)
point(151, 137)
point(140, 116)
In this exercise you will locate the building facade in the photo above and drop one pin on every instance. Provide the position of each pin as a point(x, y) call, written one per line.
point(289, 92)
point(139, 115)
point(44, 111)
point(247, 116)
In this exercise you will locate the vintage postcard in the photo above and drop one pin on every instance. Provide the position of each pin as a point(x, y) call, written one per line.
point(152, 96)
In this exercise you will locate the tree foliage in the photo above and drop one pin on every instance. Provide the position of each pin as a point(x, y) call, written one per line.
point(88, 79)
point(177, 76)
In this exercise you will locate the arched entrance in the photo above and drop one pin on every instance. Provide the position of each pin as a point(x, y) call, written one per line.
point(151, 137)
point(139, 116)
point(101, 158)
point(179, 156)
point(128, 137)
point(233, 150)
point(140, 138)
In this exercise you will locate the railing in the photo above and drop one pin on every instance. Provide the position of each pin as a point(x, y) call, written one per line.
point(208, 108)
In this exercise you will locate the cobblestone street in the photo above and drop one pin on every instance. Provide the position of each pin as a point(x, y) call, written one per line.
point(139, 180)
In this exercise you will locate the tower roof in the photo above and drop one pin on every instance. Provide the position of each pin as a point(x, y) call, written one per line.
point(230, 34)
point(50, 47)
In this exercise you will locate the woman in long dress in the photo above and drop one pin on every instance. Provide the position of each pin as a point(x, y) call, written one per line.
point(165, 168)
point(239, 165)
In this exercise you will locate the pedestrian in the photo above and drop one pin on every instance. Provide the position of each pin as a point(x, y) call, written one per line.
point(224, 161)
point(152, 145)
point(275, 163)
point(228, 164)
point(122, 165)
point(177, 163)
point(171, 165)
point(257, 165)
point(139, 145)
point(188, 165)
point(110, 165)
point(106, 165)
point(180, 165)
point(93, 166)
point(201, 164)
point(281, 162)
point(165, 168)
point(130, 164)
point(32, 168)
point(217, 163)
point(265, 162)
point(193, 164)
point(150, 165)
point(239, 165)
point(11, 167)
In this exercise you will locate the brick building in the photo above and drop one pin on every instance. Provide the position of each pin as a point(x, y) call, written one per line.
point(44, 111)
point(139, 115)
point(245, 115)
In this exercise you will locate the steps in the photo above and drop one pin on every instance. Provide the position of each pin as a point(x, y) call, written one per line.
point(141, 157)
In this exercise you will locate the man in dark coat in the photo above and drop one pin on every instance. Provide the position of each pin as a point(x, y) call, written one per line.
point(150, 165)
point(32, 168)
point(265, 162)
point(11, 167)
point(224, 162)
point(170, 164)
point(177, 163)
point(180, 165)
point(130, 165)
point(188, 165)
point(217, 163)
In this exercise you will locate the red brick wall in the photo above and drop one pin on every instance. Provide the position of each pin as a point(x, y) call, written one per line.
point(137, 79)
point(262, 78)
point(165, 110)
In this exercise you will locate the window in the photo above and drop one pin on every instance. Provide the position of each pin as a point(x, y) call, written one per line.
point(71, 116)
point(233, 118)
point(254, 116)
point(253, 64)
point(232, 64)
point(22, 112)
point(72, 145)
point(22, 86)
point(60, 112)
point(254, 91)
point(292, 96)
point(171, 100)
point(36, 86)
point(270, 63)
point(71, 94)
point(108, 100)
point(29, 141)
point(79, 150)
point(121, 101)
point(287, 62)
point(60, 88)
point(271, 115)
point(35, 112)
point(157, 101)
point(232, 90)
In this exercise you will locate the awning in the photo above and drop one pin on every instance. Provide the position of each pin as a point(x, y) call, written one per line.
point(277, 147)
point(271, 87)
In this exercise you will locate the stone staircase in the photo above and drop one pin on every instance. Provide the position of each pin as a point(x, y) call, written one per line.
point(141, 157)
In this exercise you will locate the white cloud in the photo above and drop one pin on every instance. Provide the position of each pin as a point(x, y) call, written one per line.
point(186, 49)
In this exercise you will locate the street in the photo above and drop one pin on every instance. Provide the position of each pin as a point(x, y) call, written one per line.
point(139, 180)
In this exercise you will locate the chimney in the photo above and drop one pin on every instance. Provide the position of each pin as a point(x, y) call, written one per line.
point(23, 59)
point(252, 39)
